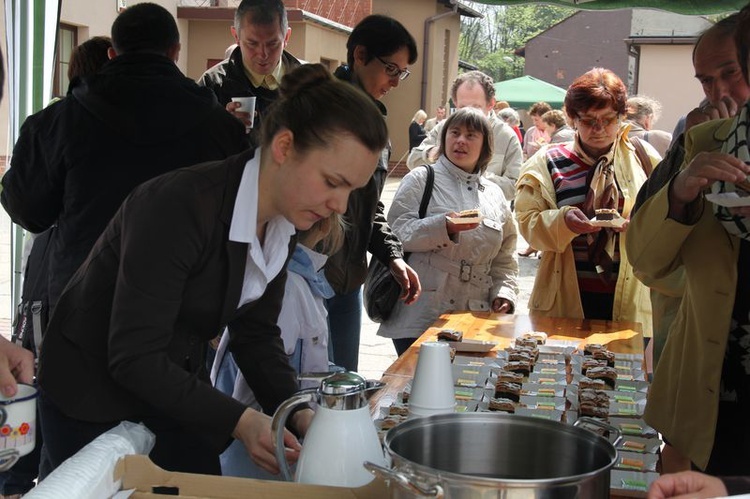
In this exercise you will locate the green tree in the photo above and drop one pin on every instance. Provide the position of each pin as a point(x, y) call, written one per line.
point(490, 42)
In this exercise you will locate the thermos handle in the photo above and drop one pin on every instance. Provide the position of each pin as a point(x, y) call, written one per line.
point(279, 423)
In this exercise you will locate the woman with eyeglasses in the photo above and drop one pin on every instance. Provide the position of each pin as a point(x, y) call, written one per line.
point(584, 272)
point(379, 50)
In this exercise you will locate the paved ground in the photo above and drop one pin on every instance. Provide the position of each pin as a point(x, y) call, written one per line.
point(376, 353)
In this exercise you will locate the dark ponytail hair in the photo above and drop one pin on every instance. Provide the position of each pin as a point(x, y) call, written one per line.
point(316, 107)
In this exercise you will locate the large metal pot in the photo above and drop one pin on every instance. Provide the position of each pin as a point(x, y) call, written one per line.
point(485, 455)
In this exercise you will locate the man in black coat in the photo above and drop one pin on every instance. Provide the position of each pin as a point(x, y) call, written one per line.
point(255, 67)
point(139, 117)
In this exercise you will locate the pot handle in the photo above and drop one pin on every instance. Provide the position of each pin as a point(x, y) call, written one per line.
point(613, 430)
point(404, 480)
point(279, 422)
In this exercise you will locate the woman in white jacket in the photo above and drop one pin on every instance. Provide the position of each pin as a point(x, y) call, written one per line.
point(462, 266)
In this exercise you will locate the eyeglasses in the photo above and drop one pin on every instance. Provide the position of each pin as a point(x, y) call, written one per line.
point(394, 71)
point(598, 122)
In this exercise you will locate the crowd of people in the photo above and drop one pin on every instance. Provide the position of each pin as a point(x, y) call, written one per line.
point(193, 266)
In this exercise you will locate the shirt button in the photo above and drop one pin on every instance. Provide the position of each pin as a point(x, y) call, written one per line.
point(452, 302)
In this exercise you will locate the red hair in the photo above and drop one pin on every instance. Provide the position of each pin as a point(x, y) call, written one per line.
point(596, 89)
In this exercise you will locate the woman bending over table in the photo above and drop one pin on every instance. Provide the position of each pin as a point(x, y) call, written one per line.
point(188, 254)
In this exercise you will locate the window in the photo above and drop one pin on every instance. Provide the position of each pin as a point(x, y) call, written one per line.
point(67, 40)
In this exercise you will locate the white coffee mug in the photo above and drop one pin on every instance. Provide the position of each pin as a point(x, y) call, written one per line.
point(17, 425)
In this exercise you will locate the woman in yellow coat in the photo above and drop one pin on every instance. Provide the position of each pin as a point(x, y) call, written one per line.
point(584, 272)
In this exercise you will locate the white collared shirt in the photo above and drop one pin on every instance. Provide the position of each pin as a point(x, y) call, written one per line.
point(264, 262)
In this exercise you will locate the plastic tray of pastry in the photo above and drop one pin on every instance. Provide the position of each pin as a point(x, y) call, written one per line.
point(631, 483)
point(635, 461)
point(476, 346)
point(470, 375)
point(464, 393)
point(550, 369)
point(548, 379)
point(633, 427)
point(544, 403)
point(466, 360)
point(549, 414)
point(622, 385)
point(539, 390)
point(639, 444)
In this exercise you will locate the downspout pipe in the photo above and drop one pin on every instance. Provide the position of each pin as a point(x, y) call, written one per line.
point(425, 50)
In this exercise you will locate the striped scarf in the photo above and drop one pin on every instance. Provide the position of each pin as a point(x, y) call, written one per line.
point(735, 145)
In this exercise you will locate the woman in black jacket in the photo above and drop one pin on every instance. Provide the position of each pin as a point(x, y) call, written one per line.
point(379, 50)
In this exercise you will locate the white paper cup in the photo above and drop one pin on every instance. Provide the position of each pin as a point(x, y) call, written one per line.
point(432, 386)
point(248, 106)
point(17, 425)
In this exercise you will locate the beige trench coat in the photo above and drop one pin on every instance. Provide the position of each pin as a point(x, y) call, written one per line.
point(542, 224)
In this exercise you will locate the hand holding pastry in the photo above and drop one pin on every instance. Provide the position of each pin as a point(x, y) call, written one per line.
point(454, 223)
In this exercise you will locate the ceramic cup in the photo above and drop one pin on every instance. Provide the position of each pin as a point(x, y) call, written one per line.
point(248, 106)
point(17, 425)
point(432, 386)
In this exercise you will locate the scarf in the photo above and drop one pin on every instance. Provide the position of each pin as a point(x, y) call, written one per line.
point(602, 193)
point(735, 145)
point(312, 271)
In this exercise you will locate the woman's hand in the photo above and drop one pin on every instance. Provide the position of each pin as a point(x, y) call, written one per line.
point(502, 306)
point(407, 279)
point(454, 228)
point(687, 484)
point(254, 431)
point(578, 222)
point(301, 420)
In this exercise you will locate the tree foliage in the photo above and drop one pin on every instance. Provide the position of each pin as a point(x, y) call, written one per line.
point(491, 41)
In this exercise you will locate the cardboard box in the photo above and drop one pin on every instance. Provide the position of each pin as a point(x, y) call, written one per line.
point(151, 482)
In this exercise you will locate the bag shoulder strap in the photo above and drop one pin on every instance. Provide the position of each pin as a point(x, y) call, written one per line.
point(642, 155)
point(427, 194)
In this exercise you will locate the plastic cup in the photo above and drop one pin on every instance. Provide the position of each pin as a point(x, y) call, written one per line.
point(247, 106)
point(432, 386)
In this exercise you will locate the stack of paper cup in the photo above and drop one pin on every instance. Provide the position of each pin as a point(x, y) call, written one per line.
point(432, 387)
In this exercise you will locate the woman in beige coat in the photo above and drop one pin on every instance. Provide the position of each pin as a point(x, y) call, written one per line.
point(584, 272)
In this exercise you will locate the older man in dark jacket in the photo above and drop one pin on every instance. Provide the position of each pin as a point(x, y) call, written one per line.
point(255, 67)
point(139, 117)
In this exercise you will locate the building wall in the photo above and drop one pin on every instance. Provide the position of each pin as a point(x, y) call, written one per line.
point(312, 42)
point(346, 12)
point(403, 101)
point(206, 40)
point(661, 64)
point(585, 40)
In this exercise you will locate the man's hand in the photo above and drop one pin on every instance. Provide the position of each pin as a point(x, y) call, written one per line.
point(707, 111)
point(16, 364)
point(244, 117)
point(687, 484)
point(703, 170)
point(407, 279)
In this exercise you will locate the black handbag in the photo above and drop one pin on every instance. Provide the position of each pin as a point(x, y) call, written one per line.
point(32, 314)
point(381, 289)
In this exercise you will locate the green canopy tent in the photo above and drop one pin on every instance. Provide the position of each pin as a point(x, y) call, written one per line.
point(522, 92)
point(679, 6)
